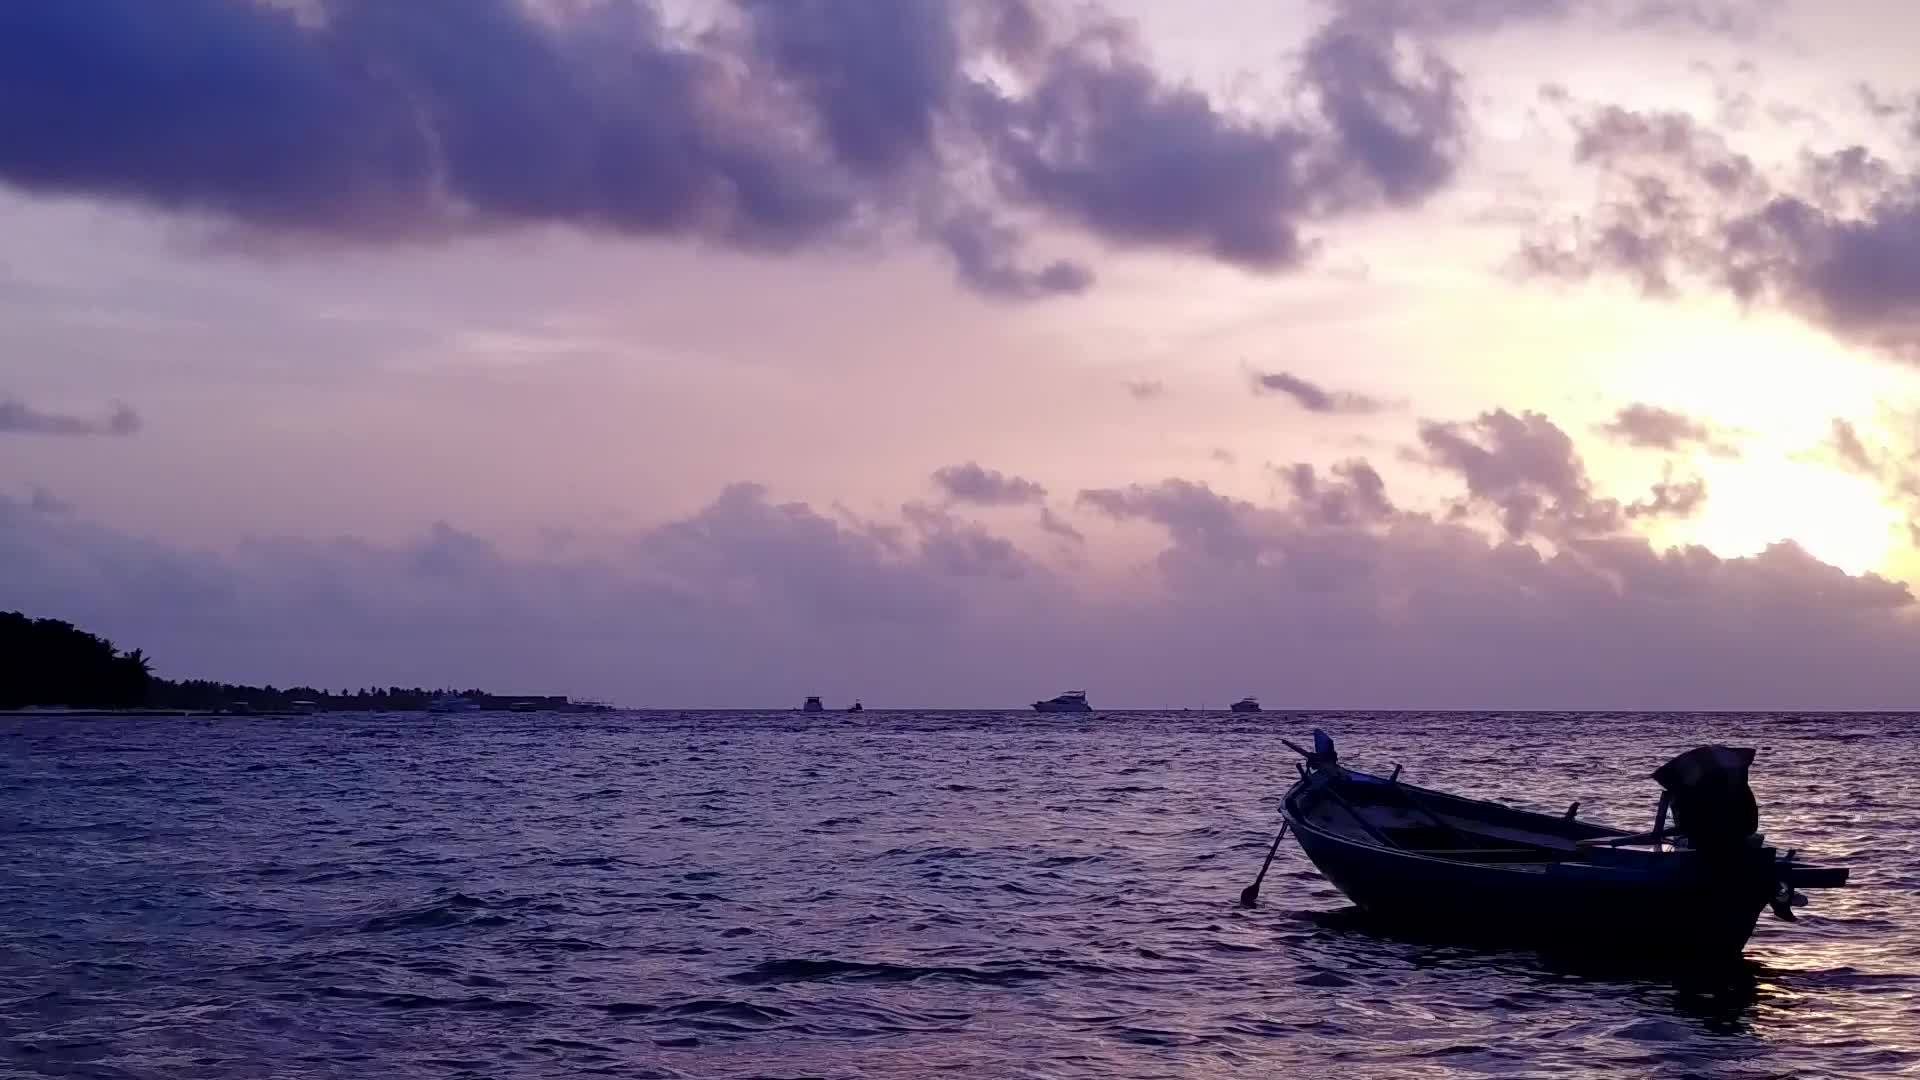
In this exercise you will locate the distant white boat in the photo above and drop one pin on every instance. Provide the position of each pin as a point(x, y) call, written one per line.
point(1071, 701)
point(1246, 704)
point(451, 703)
point(813, 705)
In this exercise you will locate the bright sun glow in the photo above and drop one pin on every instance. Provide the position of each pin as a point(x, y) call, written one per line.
point(1838, 518)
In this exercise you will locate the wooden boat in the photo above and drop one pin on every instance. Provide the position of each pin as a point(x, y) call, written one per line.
point(1466, 868)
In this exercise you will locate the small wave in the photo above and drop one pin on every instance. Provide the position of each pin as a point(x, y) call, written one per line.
point(727, 1009)
point(481, 1004)
point(773, 972)
point(1455, 1050)
point(456, 910)
point(559, 944)
point(596, 862)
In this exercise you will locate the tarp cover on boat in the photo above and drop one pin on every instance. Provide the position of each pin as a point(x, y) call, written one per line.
point(1712, 803)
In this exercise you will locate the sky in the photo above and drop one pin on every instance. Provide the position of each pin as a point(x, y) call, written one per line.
point(1429, 354)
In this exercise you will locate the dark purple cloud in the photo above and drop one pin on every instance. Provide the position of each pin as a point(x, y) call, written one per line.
point(878, 75)
point(1312, 397)
point(1655, 428)
point(401, 119)
point(1524, 467)
point(1224, 528)
point(1837, 241)
point(1101, 140)
point(19, 418)
point(969, 483)
point(986, 254)
point(789, 125)
point(1395, 109)
point(1356, 495)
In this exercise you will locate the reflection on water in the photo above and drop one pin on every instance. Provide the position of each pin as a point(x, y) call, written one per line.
point(996, 895)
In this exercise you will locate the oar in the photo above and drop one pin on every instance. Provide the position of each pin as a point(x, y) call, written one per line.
point(1251, 893)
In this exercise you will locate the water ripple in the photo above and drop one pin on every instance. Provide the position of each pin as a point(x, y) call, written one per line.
point(735, 895)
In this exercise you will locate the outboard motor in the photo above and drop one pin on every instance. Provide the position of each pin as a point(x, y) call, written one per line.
point(1715, 809)
point(1712, 804)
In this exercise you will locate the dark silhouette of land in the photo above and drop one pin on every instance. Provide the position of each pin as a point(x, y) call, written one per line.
point(49, 663)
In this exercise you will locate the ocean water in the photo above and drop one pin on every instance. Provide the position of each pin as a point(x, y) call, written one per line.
point(888, 895)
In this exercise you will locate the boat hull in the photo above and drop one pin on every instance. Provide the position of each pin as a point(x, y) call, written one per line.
point(1676, 908)
point(1061, 707)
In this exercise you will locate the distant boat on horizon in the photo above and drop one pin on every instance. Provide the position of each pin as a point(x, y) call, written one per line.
point(813, 704)
point(1246, 704)
point(856, 706)
point(452, 703)
point(1073, 701)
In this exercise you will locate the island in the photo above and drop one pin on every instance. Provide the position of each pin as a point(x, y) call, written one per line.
point(55, 665)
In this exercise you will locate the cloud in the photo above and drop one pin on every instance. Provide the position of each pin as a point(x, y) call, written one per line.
point(965, 549)
point(18, 418)
point(986, 254)
point(1853, 453)
point(786, 125)
point(878, 75)
point(1356, 495)
point(755, 601)
point(970, 483)
point(1146, 389)
point(1898, 474)
point(1058, 526)
point(1835, 240)
point(40, 500)
point(1312, 397)
point(1654, 428)
point(1729, 18)
point(1671, 498)
point(1526, 468)
point(1902, 108)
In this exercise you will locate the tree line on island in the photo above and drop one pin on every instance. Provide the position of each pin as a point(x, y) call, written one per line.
point(49, 663)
